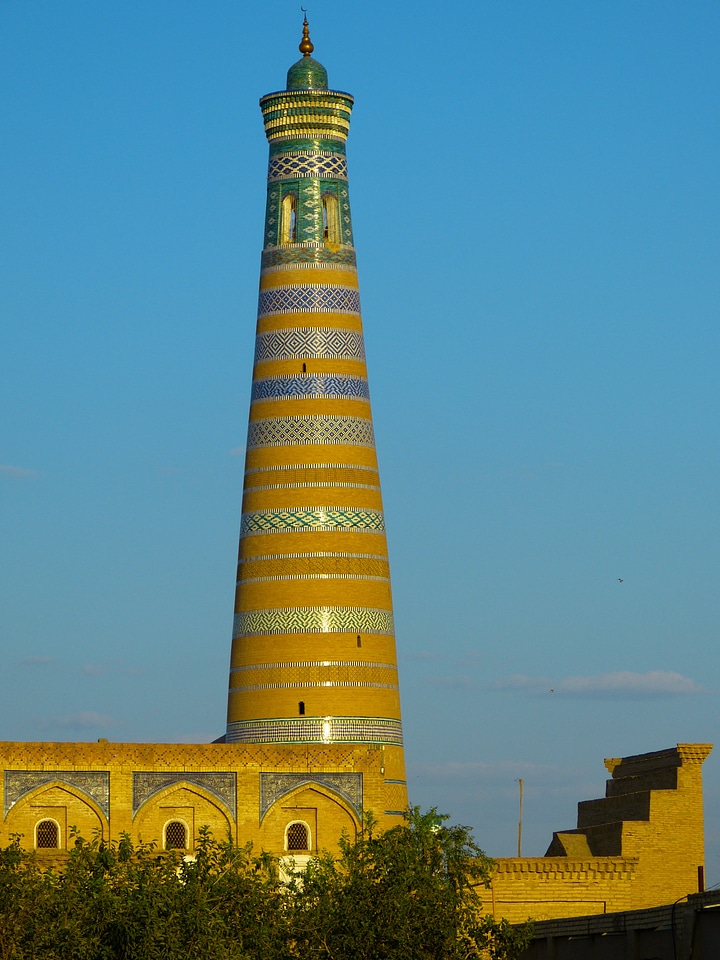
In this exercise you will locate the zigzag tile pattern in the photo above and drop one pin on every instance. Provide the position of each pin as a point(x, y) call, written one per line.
point(308, 298)
point(297, 431)
point(297, 164)
point(313, 620)
point(302, 519)
point(310, 343)
point(311, 385)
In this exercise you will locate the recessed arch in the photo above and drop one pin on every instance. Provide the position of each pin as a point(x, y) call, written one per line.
point(331, 218)
point(343, 788)
point(288, 218)
point(57, 793)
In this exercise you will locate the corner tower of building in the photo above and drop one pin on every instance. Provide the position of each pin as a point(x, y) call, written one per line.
point(313, 657)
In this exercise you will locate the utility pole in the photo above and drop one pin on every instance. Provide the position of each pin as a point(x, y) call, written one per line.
point(520, 782)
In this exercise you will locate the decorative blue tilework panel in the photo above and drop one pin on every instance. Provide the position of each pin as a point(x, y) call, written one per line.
point(317, 730)
point(94, 783)
point(311, 385)
point(308, 298)
point(296, 431)
point(301, 343)
point(253, 623)
point(273, 786)
point(332, 165)
point(221, 785)
point(300, 519)
point(304, 253)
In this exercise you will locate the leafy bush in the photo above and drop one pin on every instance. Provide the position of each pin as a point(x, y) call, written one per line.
point(411, 893)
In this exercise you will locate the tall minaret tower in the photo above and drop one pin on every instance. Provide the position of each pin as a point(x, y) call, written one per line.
point(313, 656)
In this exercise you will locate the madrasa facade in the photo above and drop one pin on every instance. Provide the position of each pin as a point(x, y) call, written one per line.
point(314, 735)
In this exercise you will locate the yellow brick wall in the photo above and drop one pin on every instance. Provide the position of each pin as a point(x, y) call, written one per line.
point(327, 812)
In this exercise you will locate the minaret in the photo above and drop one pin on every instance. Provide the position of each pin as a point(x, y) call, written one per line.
point(313, 657)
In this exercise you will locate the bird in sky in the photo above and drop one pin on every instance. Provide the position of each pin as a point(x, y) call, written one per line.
point(620, 580)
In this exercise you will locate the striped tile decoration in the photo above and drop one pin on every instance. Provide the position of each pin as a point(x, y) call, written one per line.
point(317, 730)
point(310, 343)
point(356, 620)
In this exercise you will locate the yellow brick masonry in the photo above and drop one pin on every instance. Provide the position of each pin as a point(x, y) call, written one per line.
point(639, 846)
point(71, 807)
point(657, 847)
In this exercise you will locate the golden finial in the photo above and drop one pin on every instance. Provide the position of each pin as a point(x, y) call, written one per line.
point(306, 47)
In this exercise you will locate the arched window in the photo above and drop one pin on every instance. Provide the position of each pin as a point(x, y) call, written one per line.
point(47, 835)
point(301, 708)
point(175, 835)
point(288, 231)
point(297, 836)
point(331, 220)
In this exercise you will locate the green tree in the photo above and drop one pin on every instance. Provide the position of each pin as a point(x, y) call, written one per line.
point(411, 893)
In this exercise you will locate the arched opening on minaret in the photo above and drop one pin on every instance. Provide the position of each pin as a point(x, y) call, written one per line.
point(331, 220)
point(288, 223)
point(301, 708)
point(359, 642)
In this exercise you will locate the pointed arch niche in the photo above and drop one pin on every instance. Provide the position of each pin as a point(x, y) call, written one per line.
point(331, 219)
point(288, 218)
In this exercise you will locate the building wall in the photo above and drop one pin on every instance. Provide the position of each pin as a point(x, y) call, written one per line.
point(639, 846)
point(244, 792)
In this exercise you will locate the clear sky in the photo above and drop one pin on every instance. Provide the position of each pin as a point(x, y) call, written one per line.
point(536, 202)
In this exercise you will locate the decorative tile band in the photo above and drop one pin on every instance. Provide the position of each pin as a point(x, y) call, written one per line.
point(301, 519)
point(337, 568)
point(358, 620)
point(93, 783)
point(273, 786)
point(313, 554)
point(309, 264)
point(310, 343)
point(310, 466)
point(311, 483)
point(308, 298)
point(314, 576)
point(304, 664)
point(300, 254)
point(317, 730)
point(296, 431)
point(313, 684)
point(312, 386)
point(294, 164)
point(221, 785)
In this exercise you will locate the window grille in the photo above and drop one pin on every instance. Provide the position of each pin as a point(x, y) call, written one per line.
point(175, 836)
point(47, 835)
point(297, 836)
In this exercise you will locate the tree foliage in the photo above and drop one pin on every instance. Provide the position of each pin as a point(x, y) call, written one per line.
point(411, 893)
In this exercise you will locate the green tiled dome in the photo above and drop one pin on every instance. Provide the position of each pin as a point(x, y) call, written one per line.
point(307, 74)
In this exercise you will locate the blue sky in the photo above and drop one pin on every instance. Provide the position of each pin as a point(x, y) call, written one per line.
point(536, 207)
